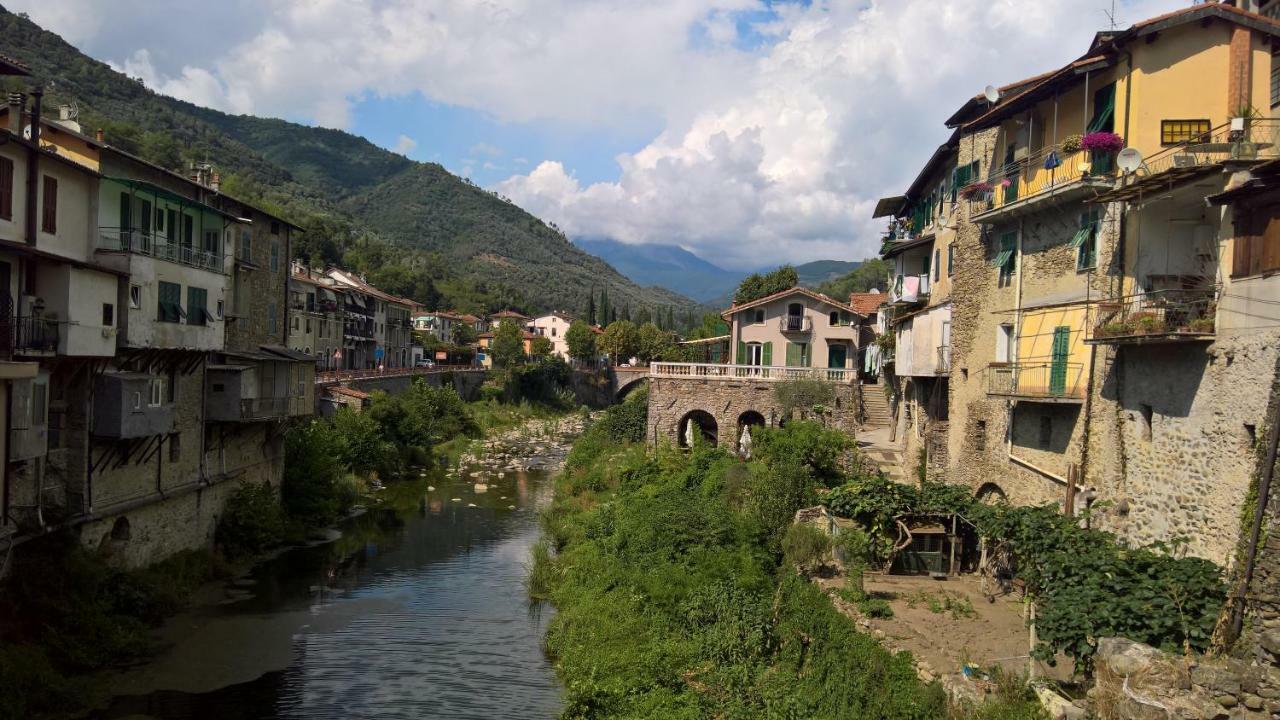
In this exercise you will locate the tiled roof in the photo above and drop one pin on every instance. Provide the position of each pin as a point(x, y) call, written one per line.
point(867, 303)
point(348, 391)
point(791, 291)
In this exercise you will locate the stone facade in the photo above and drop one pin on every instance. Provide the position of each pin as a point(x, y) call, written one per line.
point(730, 404)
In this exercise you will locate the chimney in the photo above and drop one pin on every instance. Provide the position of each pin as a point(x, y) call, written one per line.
point(100, 135)
point(17, 105)
point(216, 181)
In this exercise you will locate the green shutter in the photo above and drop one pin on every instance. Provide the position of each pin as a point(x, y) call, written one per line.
point(1061, 351)
point(793, 355)
point(804, 354)
point(1104, 108)
point(741, 358)
point(766, 355)
point(1008, 244)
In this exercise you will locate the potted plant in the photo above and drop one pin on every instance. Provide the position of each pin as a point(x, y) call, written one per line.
point(974, 189)
point(1202, 325)
point(1113, 329)
point(1147, 323)
point(1071, 144)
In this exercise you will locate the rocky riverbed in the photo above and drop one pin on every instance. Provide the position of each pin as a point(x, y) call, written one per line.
point(535, 445)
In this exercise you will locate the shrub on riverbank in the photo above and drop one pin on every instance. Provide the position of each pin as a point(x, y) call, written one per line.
point(317, 455)
point(251, 522)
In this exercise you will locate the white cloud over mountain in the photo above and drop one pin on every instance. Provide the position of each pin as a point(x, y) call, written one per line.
point(779, 135)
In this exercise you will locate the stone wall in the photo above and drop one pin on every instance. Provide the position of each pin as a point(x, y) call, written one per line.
point(673, 399)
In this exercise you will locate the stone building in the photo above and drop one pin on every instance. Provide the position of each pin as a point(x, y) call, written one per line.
point(1106, 342)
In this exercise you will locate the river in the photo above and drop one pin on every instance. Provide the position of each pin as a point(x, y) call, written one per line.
point(418, 610)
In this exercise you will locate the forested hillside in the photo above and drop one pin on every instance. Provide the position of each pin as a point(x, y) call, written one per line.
point(413, 228)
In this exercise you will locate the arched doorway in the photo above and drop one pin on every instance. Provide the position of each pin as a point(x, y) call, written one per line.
point(991, 494)
point(749, 419)
point(697, 424)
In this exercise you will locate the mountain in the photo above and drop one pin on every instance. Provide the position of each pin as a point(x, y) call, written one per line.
point(813, 274)
point(413, 227)
point(668, 266)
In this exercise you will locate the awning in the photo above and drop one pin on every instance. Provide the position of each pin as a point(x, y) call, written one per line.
point(160, 192)
point(889, 206)
point(285, 353)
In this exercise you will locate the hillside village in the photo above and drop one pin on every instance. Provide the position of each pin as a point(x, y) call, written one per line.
point(1062, 405)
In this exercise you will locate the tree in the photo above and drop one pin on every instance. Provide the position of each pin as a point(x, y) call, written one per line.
point(541, 347)
point(581, 340)
point(619, 340)
point(463, 333)
point(508, 344)
point(652, 343)
point(712, 325)
point(870, 273)
point(756, 286)
point(604, 307)
point(643, 316)
point(591, 304)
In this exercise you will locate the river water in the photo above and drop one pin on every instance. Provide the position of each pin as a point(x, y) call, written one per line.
point(418, 610)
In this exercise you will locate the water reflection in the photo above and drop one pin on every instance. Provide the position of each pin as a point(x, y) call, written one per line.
point(417, 610)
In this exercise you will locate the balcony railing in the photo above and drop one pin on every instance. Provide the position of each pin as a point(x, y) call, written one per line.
point(1248, 139)
point(1038, 174)
point(943, 364)
point(1052, 381)
point(334, 376)
point(259, 408)
point(795, 324)
point(139, 242)
point(707, 371)
point(1153, 317)
point(35, 334)
point(909, 289)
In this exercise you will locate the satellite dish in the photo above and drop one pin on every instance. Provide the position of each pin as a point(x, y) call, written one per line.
point(26, 131)
point(992, 93)
point(1129, 159)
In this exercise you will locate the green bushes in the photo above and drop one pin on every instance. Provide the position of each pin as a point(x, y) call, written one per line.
point(251, 522)
point(672, 601)
point(314, 491)
point(804, 545)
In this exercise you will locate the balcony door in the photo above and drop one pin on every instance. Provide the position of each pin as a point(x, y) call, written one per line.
point(837, 355)
point(795, 317)
point(1060, 352)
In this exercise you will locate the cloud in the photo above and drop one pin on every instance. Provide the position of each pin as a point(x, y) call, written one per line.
point(485, 149)
point(405, 144)
point(844, 108)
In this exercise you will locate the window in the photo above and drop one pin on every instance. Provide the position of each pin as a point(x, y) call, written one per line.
point(951, 260)
point(1004, 343)
point(834, 318)
point(553, 332)
point(937, 264)
point(108, 315)
point(759, 316)
point(1256, 246)
point(271, 318)
point(1173, 132)
point(1046, 432)
point(220, 310)
point(1104, 110)
point(156, 392)
point(797, 354)
point(308, 328)
point(275, 227)
point(245, 252)
point(1086, 239)
point(197, 306)
point(135, 296)
point(293, 325)
point(171, 226)
point(159, 220)
point(6, 188)
point(137, 401)
point(211, 241)
point(188, 230)
point(175, 447)
point(170, 304)
point(275, 255)
point(1007, 257)
point(49, 214)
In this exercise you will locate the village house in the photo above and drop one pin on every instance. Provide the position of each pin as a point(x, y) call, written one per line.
point(1091, 290)
point(553, 326)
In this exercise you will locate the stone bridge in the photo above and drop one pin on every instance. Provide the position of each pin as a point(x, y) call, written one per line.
point(622, 380)
point(466, 380)
point(716, 402)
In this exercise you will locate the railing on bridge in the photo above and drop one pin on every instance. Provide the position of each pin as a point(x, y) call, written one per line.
point(716, 371)
point(332, 376)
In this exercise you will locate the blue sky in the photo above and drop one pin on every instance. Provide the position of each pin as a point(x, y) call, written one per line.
point(750, 132)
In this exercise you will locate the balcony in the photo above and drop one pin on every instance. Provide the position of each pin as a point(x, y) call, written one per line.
point(765, 373)
point(942, 364)
point(1159, 316)
point(139, 242)
point(909, 289)
point(1054, 382)
point(795, 324)
point(35, 335)
point(1039, 181)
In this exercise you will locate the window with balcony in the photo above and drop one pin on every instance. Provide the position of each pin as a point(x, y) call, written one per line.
point(6, 188)
point(49, 208)
point(170, 303)
point(1176, 132)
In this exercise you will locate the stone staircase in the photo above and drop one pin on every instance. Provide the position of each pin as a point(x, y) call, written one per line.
point(873, 436)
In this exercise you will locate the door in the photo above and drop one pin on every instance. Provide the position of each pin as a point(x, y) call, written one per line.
point(837, 355)
point(1058, 370)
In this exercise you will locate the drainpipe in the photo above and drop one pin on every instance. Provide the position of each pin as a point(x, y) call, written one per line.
point(33, 166)
point(1017, 334)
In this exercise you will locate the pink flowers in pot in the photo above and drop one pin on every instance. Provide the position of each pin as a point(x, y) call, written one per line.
point(1108, 142)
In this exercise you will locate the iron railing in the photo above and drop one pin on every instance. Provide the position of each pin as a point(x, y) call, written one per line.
point(721, 371)
point(1243, 139)
point(943, 364)
point(1040, 172)
point(334, 376)
point(1037, 379)
point(795, 324)
point(1159, 315)
point(114, 239)
point(34, 333)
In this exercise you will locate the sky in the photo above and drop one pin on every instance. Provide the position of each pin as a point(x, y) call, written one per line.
point(750, 132)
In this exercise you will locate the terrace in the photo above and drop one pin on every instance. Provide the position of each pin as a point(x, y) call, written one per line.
point(141, 242)
point(765, 373)
point(1158, 316)
point(1047, 381)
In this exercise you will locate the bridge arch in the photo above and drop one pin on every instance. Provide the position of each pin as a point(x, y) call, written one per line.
point(630, 385)
point(698, 424)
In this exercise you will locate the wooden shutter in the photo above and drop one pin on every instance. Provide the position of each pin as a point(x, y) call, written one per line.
point(49, 214)
point(742, 353)
point(6, 188)
point(793, 355)
point(766, 354)
point(1268, 255)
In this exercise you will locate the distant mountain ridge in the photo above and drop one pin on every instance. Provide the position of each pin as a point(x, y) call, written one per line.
point(350, 195)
